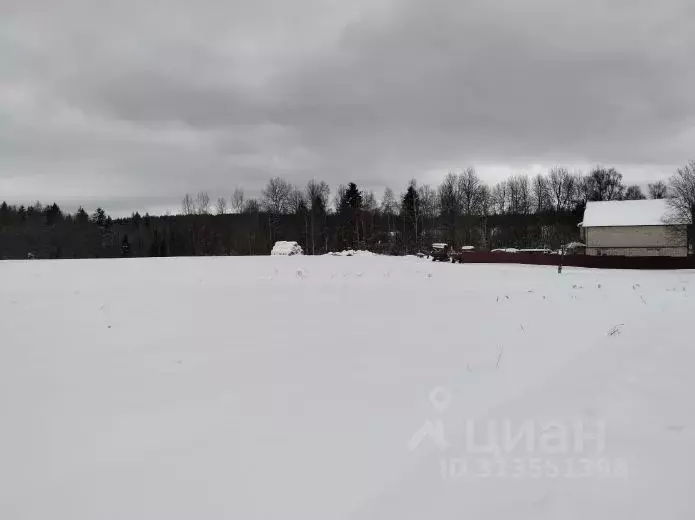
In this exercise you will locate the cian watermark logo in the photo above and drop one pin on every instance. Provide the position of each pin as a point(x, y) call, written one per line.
point(440, 399)
point(553, 448)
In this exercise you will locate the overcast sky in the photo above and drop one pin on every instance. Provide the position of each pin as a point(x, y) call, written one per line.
point(130, 104)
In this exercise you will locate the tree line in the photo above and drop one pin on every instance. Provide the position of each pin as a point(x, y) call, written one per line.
point(521, 211)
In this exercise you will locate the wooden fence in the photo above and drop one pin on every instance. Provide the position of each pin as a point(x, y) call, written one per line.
point(597, 262)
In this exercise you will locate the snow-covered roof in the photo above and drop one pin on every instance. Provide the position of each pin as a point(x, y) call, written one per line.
point(627, 213)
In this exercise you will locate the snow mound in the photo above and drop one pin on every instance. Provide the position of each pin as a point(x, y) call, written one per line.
point(351, 252)
point(286, 249)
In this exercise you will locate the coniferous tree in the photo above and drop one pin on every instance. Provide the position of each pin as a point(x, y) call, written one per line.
point(349, 212)
point(410, 211)
point(81, 216)
point(125, 246)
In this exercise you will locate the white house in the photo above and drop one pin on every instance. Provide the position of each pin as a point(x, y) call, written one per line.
point(633, 228)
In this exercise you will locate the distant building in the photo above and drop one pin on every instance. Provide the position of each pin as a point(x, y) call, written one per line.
point(633, 228)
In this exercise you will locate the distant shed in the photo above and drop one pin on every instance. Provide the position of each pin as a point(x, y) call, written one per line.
point(633, 228)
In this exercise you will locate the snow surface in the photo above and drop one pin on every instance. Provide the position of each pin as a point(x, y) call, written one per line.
point(627, 213)
point(300, 388)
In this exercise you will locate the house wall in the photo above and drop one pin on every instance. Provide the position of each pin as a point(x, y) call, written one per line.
point(637, 241)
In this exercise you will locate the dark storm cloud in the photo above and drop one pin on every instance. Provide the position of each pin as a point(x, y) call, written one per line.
point(144, 101)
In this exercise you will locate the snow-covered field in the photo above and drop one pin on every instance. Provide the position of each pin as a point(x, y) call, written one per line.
point(344, 388)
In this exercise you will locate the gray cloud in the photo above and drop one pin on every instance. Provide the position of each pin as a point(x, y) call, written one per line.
point(135, 103)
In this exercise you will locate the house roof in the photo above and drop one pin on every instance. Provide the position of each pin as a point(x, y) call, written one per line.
point(627, 213)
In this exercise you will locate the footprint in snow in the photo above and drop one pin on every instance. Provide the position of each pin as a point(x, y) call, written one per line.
point(615, 331)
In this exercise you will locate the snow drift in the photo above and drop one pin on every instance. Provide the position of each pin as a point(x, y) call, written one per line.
point(351, 252)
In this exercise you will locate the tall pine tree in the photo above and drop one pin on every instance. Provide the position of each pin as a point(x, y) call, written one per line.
point(349, 213)
point(410, 210)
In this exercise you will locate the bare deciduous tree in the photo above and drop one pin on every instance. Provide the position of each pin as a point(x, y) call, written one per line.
point(448, 196)
point(187, 205)
point(389, 207)
point(297, 202)
point(251, 206)
point(634, 192)
point(428, 201)
point(221, 206)
point(541, 194)
point(519, 195)
point(276, 196)
point(605, 184)
point(563, 188)
point(449, 204)
point(581, 188)
point(338, 197)
point(485, 200)
point(682, 200)
point(500, 198)
point(202, 203)
point(468, 191)
point(658, 190)
point(317, 193)
point(237, 200)
point(369, 202)
point(276, 201)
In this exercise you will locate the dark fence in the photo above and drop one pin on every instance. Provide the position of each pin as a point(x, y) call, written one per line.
point(597, 262)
